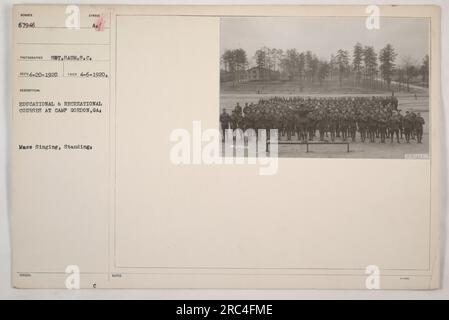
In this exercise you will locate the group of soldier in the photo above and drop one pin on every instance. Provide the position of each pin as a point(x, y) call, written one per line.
point(335, 117)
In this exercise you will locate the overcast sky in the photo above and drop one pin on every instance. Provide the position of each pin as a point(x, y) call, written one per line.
point(325, 35)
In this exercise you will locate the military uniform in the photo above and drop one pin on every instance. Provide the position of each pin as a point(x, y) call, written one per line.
point(372, 127)
point(344, 125)
point(290, 125)
point(341, 116)
point(382, 125)
point(394, 125)
point(408, 126)
point(301, 127)
point(419, 124)
point(225, 120)
point(333, 125)
point(321, 125)
point(352, 126)
point(363, 126)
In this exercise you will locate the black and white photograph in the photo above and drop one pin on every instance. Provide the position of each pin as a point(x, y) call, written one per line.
point(328, 87)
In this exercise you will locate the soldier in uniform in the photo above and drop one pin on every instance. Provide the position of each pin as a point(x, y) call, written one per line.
point(258, 121)
point(237, 118)
point(352, 126)
point(363, 126)
point(393, 125)
point(290, 124)
point(283, 121)
point(338, 130)
point(334, 116)
point(238, 109)
point(382, 125)
point(321, 124)
point(413, 120)
point(246, 112)
point(372, 127)
point(301, 127)
point(333, 124)
point(277, 121)
point(394, 103)
point(249, 119)
point(344, 123)
point(408, 126)
point(270, 121)
point(391, 103)
point(401, 123)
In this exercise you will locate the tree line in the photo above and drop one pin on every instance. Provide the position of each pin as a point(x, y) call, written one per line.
point(364, 66)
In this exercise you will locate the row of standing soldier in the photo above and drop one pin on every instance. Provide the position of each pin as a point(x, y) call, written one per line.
point(334, 117)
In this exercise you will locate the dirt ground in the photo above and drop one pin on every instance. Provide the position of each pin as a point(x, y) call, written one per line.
point(358, 149)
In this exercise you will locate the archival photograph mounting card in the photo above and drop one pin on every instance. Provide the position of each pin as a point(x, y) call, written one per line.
point(226, 147)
